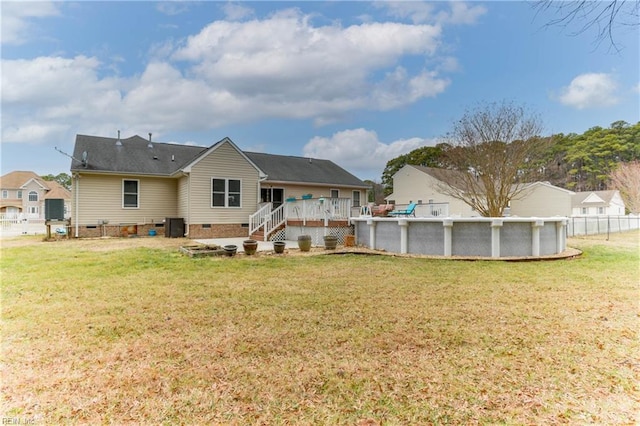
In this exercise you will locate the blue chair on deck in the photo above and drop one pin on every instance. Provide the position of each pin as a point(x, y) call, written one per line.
point(409, 211)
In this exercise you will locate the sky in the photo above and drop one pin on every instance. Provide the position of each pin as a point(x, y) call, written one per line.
point(355, 82)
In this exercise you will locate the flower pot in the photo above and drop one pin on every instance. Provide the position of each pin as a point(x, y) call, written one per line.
point(250, 247)
point(304, 242)
point(330, 242)
point(230, 250)
point(278, 246)
point(349, 240)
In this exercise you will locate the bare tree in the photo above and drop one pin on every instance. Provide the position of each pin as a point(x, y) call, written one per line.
point(626, 179)
point(494, 148)
point(604, 16)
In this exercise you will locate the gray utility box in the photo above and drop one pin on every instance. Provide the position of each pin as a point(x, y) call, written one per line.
point(54, 209)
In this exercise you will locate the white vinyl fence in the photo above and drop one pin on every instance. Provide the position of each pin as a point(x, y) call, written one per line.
point(13, 225)
point(593, 225)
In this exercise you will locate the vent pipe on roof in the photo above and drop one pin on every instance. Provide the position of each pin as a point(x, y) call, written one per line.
point(118, 142)
point(149, 145)
point(173, 157)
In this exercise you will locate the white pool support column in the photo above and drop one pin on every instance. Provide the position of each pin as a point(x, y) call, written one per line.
point(372, 233)
point(448, 227)
point(404, 240)
point(535, 236)
point(561, 228)
point(496, 224)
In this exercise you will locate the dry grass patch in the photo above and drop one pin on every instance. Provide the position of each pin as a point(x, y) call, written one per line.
point(146, 335)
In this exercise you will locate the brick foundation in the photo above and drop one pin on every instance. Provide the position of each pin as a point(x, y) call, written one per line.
point(234, 230)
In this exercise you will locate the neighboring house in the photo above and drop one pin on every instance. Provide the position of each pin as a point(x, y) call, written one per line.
point(422, 185)
point(419, 184)
point(133, 185)
point(541, 199)
point(598, 203)
point(23, 194)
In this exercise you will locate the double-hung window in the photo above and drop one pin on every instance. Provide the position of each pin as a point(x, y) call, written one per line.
point(226, 192)
point(130, 193)
point(33, 196)
point(356, 198)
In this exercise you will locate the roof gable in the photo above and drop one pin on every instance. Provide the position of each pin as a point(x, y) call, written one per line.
point(594, 198)
point(16, 179)
point(38, 181)
point(215, 147)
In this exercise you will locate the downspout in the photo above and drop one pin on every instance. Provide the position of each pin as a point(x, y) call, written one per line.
point(186, 234)
point(77, 207)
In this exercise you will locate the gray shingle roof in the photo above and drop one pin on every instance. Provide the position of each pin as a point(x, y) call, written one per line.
point(133, 156)
point(164, 159)
point(284, 168)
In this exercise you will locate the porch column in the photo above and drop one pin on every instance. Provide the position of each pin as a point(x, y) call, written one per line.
point(496, 224)
point(535, 236)
point(372, 233)
point(448, 227)
point(404, 227)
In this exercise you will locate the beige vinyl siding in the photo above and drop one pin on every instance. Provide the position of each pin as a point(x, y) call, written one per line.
point(100, 198)
point(183, 198)
point(298, 191)
point(413, 185)
point(541, 201)
point(225, 162)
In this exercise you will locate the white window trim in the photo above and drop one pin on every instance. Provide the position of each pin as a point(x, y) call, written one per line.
point(226, 193)
point(19, 194)
point(353, 197)
point(5, 193)
point(29, 196)
point(138, 194)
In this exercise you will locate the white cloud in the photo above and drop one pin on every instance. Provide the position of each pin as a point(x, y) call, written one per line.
point(16, 19)
point(423, 12)
point(236, 12)
point(360, 151)
point(590, 90)
point(173, 7)
point(228, 73)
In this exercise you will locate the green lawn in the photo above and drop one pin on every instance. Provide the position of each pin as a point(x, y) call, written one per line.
point(94, 335)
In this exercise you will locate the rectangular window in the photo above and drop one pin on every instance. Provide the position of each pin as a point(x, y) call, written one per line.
point(5, 193)
point(335, 193)
point(600, 210)
point(356, 198)
point(584, 210)
point(130, 190)
point(226, 192)
point(20, 195)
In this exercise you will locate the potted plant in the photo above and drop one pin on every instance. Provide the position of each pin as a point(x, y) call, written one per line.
point(250, 246)
point(278, 246)
point(230, 250)
point(304, 242)
point(330, 242)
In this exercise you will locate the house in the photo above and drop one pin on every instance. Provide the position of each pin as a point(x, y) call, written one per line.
point(541, 199)
point(134, 185)
point(421, 185)
point(23, 194)
point(598, 203)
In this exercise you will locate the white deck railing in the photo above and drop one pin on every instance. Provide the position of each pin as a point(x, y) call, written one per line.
point(318, 209)
point(326, 209)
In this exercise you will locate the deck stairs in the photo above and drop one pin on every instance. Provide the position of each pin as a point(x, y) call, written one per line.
point(266, 222)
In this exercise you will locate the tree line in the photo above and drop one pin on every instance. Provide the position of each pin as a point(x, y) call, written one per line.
point(578, 162)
